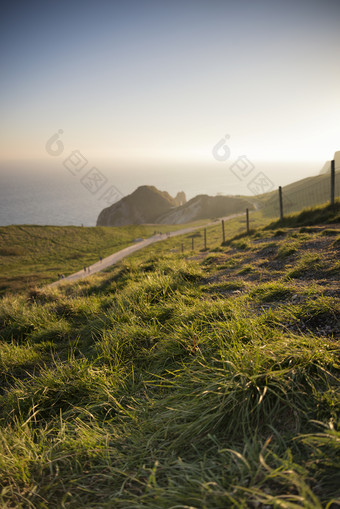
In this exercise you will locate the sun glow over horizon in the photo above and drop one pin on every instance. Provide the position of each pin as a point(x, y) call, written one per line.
point(153, 84)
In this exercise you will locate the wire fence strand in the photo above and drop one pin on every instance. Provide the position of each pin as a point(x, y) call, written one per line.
point(307, 194)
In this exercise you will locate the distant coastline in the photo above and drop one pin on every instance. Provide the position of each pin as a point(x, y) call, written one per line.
point(57, 198)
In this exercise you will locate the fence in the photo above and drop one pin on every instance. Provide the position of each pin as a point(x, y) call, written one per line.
point(307, 193)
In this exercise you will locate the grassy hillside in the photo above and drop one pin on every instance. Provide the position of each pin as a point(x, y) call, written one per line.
point(235, 230)
point(204, 381)
point(31, 255)
point(308, 192)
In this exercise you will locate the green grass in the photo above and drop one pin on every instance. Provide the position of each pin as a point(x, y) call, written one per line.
point(150, 386)
point(269, 292)
point(34, 255)
point(288, 249)
point(306, 263)
point(194, 380)
point(310, 216)
point(246, 269)
point(225, 286)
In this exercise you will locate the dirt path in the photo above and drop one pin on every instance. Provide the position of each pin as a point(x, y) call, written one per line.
point(123, 253)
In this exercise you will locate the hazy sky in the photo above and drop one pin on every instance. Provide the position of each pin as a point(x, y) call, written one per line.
point(151, 82)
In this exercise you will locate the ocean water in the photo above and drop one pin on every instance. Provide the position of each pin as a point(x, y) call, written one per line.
point(62, 199)
point(46, 201)
point(57, 197)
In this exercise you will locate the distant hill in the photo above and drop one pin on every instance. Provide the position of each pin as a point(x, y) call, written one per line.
point(143, 206)
point(327, 166)
point(205, 207)
point(308, 192)
point(149, 205)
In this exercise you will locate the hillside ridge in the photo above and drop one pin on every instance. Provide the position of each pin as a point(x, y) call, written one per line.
point(149, 205)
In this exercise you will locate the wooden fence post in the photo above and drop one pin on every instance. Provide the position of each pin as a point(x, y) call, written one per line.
point(280, 203)
point(332, 182)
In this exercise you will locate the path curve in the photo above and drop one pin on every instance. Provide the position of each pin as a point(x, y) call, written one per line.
point(123, 253)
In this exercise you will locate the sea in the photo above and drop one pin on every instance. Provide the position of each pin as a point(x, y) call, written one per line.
point(30, 195)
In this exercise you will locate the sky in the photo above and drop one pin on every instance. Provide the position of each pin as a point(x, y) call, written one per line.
point(142, 86)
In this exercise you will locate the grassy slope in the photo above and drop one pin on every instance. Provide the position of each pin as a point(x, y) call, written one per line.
point(308, 192)
point(175, 382)
point(236, 229)
point(32, 255)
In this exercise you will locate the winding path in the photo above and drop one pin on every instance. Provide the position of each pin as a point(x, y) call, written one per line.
point(123, 253)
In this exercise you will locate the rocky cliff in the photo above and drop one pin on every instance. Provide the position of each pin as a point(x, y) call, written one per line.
point(143, 206)
point(205, 207)
point(327, 166)
point(149, 205)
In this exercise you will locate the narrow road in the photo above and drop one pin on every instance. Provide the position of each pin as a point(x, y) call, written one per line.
point(123, 253)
